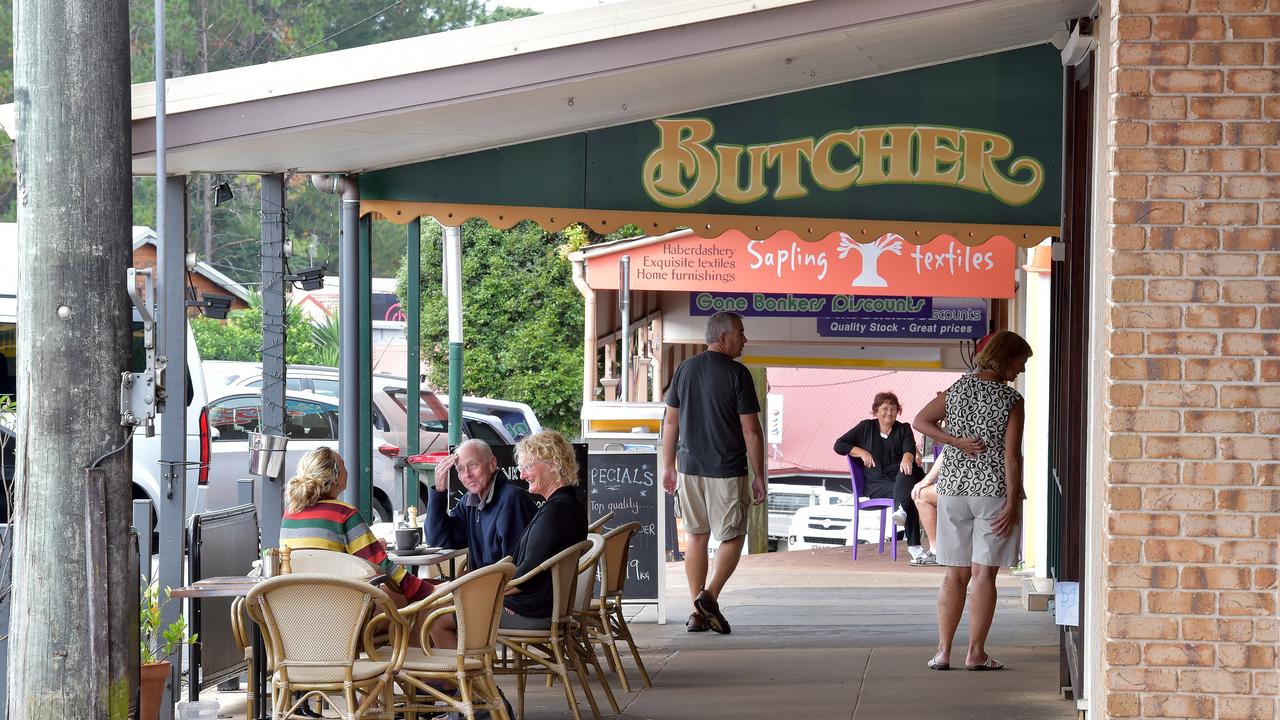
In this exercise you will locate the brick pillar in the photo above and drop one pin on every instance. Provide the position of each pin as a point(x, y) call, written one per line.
point(1192, 484)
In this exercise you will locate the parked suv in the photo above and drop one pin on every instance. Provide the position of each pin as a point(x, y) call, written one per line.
point(787, 498)
point(517, 419)
point(821, 526)
point(311, 421)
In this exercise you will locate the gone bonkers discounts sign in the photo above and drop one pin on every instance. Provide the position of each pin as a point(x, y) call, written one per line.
point(836, 265)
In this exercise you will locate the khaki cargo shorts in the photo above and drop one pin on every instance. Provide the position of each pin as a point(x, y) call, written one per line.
point(965, 534)
point(713, 505)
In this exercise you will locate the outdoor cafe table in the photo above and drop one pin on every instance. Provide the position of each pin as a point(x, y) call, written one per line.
point(426, 559)
point(233, 586)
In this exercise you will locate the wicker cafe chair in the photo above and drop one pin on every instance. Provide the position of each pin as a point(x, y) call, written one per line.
point(475, 602)
point(240, 634)
point(527, 652)
point(312, 625)
point(604, 621)
point(328, 562)
point(583, 594)
point(599, 522)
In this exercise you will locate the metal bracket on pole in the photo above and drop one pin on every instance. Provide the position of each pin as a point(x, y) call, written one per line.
point(142, 394)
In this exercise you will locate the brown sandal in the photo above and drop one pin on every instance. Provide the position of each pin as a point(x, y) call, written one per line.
point(695, 623)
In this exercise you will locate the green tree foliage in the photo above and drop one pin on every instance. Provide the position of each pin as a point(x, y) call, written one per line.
point(209, 35)
point(239, 337)
point(522, 319)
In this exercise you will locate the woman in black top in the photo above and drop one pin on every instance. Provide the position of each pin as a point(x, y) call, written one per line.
point(887, 450)
point(548, 464)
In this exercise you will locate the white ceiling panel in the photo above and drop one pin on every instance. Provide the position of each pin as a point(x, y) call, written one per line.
point(613, 75)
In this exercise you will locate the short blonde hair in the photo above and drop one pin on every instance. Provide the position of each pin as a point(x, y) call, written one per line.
point(316, 477)
point(550, 447)
point(1001, 352)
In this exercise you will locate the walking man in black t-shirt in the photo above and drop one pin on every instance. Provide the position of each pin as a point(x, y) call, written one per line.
point(711, 429)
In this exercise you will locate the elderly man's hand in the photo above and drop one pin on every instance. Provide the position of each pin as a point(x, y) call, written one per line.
point(442, 472)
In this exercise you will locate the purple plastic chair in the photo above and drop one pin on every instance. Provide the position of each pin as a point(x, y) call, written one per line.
point(858, 474)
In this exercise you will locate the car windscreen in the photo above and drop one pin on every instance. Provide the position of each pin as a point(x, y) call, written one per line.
point(481, 431)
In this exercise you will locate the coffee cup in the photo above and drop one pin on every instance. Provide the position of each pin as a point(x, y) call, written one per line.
point(407, 538)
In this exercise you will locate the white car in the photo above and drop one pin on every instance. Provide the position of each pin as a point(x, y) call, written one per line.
point(820, 526)
point(311, 421)
point(787, 498)
point(517, 419)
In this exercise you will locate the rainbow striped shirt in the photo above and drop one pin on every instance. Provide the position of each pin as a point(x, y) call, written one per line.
point(337, 526)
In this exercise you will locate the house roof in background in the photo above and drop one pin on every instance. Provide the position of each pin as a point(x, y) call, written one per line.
point(143, 235)
point(821, 404)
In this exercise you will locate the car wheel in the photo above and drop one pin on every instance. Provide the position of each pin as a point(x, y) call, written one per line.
point(381, 510)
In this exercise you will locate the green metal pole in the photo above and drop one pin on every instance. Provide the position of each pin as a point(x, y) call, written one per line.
point(364, 355)
point(413, 299)
point(455, 393)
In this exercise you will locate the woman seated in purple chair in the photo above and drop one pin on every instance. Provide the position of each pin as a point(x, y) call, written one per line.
point(887, 450)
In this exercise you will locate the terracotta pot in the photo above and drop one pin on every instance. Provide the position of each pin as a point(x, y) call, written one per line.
point(152, 679)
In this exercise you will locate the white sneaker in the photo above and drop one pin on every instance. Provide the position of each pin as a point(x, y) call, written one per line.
point(900, 517)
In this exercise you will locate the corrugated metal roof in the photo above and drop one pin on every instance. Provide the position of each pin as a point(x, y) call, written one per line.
point(819, 405)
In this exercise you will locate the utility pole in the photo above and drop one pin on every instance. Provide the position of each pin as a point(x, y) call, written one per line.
point(69, 651)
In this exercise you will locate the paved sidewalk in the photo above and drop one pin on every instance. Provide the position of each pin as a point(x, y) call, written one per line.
point(819, 636)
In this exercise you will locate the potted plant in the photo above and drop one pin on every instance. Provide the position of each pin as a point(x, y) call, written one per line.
point(158, 642)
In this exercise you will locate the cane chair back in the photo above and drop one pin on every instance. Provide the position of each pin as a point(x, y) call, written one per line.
point(617, 549)
point(551, 651)
point(588, 566)
point(606, 623)
point(598, 523)
point(328, 562)
point(475, 602)
point(582, 629)
point(313, 625)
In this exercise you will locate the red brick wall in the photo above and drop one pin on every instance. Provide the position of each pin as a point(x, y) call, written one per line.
point(1192, 486)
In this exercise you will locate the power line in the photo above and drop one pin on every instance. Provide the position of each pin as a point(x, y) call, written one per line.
point(334, 35)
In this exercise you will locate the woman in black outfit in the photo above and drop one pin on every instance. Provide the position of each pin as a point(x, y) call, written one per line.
point(548, 464)
point(887, 450)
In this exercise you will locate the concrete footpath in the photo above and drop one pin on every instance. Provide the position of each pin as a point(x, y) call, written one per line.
point(817, 635)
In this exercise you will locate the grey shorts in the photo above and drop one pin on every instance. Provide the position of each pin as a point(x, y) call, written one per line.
point(965, 535)
point(713, 505)
point(512, 620)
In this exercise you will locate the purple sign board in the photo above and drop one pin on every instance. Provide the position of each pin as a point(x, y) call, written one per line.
point(804, 305)
point(947, 319)
point(858, 316)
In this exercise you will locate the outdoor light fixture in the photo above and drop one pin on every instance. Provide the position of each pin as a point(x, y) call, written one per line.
point(212, 306)
point(221, 194)
point(311, 278)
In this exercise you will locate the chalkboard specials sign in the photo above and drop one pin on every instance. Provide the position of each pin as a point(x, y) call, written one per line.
point(627, 485)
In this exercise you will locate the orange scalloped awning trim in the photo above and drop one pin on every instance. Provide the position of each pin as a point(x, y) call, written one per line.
point(710, 226)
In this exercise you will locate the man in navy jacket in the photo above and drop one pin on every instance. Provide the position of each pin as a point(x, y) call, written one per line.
point(492, 516)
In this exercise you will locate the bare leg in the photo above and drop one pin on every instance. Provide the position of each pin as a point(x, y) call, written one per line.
point(950, 608)
point(927, 506)
point(727, 556)
point(695, 563)
point(981, 610)
point(444, 631)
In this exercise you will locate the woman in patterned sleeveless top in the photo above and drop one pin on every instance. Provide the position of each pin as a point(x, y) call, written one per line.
point(979, 491)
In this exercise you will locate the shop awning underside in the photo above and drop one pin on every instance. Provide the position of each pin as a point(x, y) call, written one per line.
point(486, 87)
